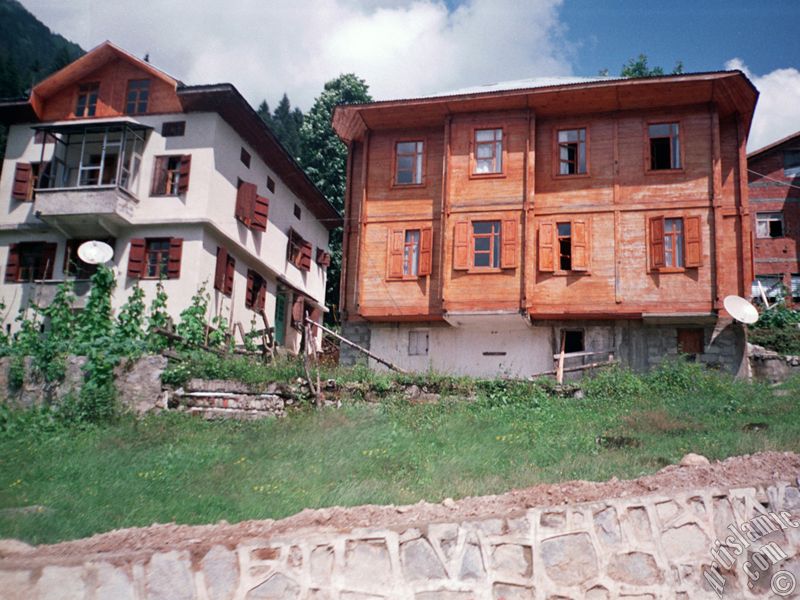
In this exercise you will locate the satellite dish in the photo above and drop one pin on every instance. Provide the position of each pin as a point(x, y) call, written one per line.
point(95, 253)
point(740, 309)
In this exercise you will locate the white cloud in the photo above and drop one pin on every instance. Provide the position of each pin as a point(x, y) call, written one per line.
point(402, 48)
point(778, 109)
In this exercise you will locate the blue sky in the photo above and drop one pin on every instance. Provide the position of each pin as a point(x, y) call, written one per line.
point(407, 48)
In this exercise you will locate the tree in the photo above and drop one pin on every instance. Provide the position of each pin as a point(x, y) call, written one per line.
point(638, 67)
point(263, 112)
point(286, 124)
point(324, 157)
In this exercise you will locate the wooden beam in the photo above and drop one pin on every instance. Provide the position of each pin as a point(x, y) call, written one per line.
point(357, 347)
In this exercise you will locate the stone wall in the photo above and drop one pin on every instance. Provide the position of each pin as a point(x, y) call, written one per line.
point(646, 548)
point(772, 366)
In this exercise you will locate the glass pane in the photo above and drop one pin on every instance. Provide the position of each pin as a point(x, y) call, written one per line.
point(564, 229)
point(481, 260)
point(485, 135)
point(412, 236)
point(568, 135)
point(405, 163)
point(405, 147)
point(418, 174)
point(479, 227)
point(419, 147)
point(484, 166)
point(679, 249)
point(660, 130)
point(499, 155)
point(404, 177)
point(484, 151)
point(482, 244)
point(676, 151)
point(582, 158)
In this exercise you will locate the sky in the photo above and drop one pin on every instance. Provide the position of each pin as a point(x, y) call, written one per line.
point(408, 48)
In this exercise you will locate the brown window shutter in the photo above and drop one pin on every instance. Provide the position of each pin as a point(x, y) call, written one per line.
point(580, 245)
point(261, 298)
point(298, 307)
point(396, 246)
point(230, 270)
point(547, 258)
point(12, 264)
point(305, 256)
point(691, 238)
point(49, 254)
point(175, 253)
point(248, 298)
point(316, 316)
point(245, 202)
point(183, 172)
point(220, 269)
point(160, 176)
point(321, 256)
point(136, 258)
point(23, 179)
point(425, 251)
point(508, 244)
point(657, 260)
point(461, 245)
point(260, 214)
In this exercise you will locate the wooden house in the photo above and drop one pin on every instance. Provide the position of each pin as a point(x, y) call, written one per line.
point(774, 181)
point(488, 229)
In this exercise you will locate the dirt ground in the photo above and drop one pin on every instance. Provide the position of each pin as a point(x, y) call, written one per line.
point(741, 471)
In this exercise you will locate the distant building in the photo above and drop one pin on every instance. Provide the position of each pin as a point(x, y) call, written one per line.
point(185, 182)
point(488, 229)
point(774, 180)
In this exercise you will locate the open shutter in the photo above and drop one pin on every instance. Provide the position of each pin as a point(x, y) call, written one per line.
point(508, 244)
point(183, 179)
point(425, 251)
point(136, 258)
point(12, 265)
point(160, 176)
point(175, 253)
point(230, 270)
point(394, 253)
point(298, 306)
point(657, 260)
point(261, 297)
point(220, 269)
point(49, 256)
point(305, 256)
point(260, 213)
point(316, 316)
point(547, 258)
point(245, 202)
point(691, 237)
point(23, 179)
point(461, 245)
point(580, 245)
point(248, 298)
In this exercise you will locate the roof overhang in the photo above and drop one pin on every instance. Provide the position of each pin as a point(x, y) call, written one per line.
point(794, 137)
point(226, 100)
point(731, 92)
point(487, 319)
point(67, 127)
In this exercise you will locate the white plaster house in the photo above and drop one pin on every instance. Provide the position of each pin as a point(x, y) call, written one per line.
point(185, 182)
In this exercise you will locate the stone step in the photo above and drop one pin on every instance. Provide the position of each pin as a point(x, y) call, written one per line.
point(231, 413)
point(264, 402)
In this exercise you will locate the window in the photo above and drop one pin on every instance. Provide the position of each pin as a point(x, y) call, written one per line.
point(171, 175)
point(30, 261)
point(572, 151)
point(270, 184)
point(408, 163)
point(564, 246)
point(769, 225)
point(297, 212)
point(675, 242)
point(572, 340)
point(665, 146)
point(410, 253)
point(486, 244)
point(86, 104)
point(137, 97)
point(244, 156)
point(771, 285)
point(255, 298)
point(690, 340)
point(298, 251)
point(27, 178)
point(791, 163)
point(224, 271)
point(173, 128)
point(418, 342)
point(795, 287)
point(488, 151)
point(154, 258)
point(73, 265)
point(323, 258)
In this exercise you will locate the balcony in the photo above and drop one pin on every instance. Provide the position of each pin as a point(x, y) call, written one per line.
point(87, 180)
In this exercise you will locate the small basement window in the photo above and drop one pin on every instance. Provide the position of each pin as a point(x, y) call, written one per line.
point(270, 184)
point(573, 340)
point(297, 212)
point(418, 343)
point(244, 156)
point(690, 341)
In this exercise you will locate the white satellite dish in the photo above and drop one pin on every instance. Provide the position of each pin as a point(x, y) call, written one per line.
point(95, 253)
point(740, 309)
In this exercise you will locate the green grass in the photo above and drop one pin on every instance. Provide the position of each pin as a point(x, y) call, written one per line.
point(174, 468)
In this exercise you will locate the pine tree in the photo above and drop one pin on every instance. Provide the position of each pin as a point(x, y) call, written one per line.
point(286, 125)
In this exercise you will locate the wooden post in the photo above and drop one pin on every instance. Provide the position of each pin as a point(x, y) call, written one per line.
point(560, 368)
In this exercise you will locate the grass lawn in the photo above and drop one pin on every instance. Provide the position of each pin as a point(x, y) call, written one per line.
point(174, 468)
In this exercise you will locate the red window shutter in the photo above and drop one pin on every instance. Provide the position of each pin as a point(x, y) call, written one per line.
point(305, 256)
point(12, 264)
point(508, 244)
point(316, 316)
point(49, 255)
point(23, 179)
point(321, 256)
point(657, 260)
point(260, 214)
point(248, 298)
point(245, 202)
point(691, 237)
point(230, 270)
point(580, 245)
point(461, 246)
point(175, 253)
point(298, 307)
point(160, 176)
point(183, 172)
point(220, 269)
point(136, 258)
point(547, 257)
point(327, 260)
point(261, 298)
point(425, 251)
point(397, 240)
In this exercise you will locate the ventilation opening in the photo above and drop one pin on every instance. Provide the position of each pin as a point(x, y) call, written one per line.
point(573, 341)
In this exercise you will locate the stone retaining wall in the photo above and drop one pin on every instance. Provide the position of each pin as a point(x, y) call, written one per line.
point(649, 548)
point(770, 366)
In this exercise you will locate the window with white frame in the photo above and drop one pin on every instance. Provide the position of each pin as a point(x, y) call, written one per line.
point(769, 225)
